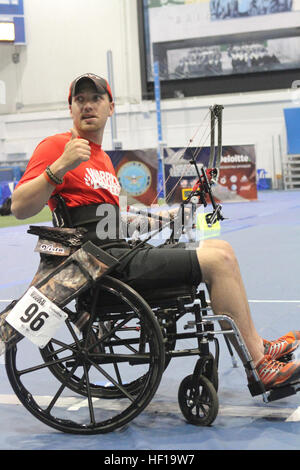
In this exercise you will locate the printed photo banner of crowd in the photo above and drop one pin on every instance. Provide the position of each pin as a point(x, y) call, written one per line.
point(192, 39)
point(237, 178)
point(222, 9)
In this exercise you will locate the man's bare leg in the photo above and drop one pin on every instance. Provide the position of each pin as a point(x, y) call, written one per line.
point(222, 276)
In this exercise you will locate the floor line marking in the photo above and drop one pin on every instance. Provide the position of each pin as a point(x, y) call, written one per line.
point(295, 416)
point(251, 301)
point(275, 301)
point(237, 411)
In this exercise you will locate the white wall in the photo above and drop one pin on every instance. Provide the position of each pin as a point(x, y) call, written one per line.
point(68, 37)
point(64, 39)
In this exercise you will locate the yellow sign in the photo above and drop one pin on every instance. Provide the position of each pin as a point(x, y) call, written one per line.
point(185, 193)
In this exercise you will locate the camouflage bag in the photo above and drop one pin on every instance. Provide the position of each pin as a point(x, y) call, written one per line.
point(66, 269)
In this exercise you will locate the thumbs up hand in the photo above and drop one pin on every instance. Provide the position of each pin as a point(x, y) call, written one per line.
point(76, 151)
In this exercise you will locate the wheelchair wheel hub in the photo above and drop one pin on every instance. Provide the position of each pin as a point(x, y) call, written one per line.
point(83, 354)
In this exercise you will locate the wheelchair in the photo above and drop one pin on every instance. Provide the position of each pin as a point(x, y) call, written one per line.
point(102, 367)
point(109, 359)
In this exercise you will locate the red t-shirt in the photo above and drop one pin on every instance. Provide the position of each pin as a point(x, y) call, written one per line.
point(92, 182)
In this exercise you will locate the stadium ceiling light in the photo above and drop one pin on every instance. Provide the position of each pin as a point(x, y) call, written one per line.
point(7, 31)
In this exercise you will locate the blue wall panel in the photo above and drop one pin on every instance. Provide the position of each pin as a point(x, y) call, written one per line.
point(292, 122)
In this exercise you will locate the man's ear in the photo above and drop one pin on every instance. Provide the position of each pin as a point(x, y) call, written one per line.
point(112, 108)
point(70, 109)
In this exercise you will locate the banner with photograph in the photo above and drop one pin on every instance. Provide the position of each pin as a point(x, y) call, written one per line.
point(203, 38)
point(237, 179)
point(137, 173)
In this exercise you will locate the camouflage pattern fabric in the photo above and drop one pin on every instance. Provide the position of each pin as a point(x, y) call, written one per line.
point(70, 278)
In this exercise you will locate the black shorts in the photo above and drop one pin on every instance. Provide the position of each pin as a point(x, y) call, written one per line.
point(150, 267)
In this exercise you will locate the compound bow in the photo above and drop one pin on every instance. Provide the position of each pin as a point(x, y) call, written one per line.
point(202, 190)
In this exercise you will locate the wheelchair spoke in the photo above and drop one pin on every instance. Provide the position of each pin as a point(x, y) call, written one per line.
point(200, 407)
point(116, 367)
point(109, 333)
point(118, 375)
point(73, 334)
point(64, 346)
point(90, 401)
point(127, 345)
point(44, 365)
point(108, 377)
point(60, 390)
point(55, 352)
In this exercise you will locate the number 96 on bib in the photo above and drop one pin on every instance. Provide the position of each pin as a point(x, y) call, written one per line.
point(36, 317)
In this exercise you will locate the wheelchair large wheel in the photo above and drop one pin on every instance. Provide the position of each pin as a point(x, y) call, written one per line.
point(199, 403)
point(67, 385)
point(103, 335)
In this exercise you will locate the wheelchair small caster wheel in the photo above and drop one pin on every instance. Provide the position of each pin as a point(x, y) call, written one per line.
point(198, 404)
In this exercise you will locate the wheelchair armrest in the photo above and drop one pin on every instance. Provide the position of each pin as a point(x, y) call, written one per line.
point(70, 237)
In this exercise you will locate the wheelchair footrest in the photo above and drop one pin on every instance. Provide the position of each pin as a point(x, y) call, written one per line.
point(282, 392)
point(257, 388)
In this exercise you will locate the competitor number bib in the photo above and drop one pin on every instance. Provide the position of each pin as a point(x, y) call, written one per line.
point(36, 317)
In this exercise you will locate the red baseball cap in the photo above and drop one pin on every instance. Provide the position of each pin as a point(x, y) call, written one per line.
point(101, 85)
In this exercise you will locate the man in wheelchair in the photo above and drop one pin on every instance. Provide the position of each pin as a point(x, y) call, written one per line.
point(74, 166)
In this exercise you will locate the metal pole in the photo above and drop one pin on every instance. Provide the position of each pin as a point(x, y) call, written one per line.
point(2, 92)
point(160, 150)
point(282, 163)
point(110, 72)
point(274, 164)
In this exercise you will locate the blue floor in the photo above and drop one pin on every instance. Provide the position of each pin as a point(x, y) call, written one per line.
point(266, 237)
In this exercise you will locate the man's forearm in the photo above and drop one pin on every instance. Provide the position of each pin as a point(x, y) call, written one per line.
point(30, 198)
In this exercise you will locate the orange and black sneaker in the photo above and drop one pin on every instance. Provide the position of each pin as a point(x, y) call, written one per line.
point(277, 374)
point(284, 345)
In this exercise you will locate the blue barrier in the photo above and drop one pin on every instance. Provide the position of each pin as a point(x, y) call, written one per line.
point(6, 189)
point(10, 173)
point(292, 123)
point(262, 181)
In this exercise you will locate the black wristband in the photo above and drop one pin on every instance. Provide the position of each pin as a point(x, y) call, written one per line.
point(53, 177)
